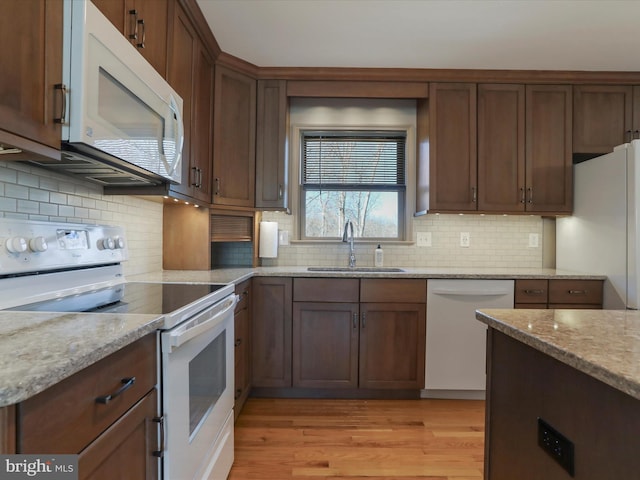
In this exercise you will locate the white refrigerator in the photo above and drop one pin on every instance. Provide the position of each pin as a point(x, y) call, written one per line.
point(601, 237)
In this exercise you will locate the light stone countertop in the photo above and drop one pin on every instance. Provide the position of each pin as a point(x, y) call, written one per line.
point(604, 344)
point(39, 349)
point(236, 275)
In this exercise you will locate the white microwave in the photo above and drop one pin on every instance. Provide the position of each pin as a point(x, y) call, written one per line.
point(123, 122)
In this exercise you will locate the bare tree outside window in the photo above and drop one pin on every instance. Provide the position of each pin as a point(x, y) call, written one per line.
point(357, 176)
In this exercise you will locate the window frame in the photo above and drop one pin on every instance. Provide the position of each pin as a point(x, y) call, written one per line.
point(402, 190)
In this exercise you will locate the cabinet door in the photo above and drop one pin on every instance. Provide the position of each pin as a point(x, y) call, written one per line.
point(452, 147)
point(144, 23)
point(501, 143)
point(325, 345)
point(392, 345)
point(31, 64)
point(234, 139)
point(549, 174)
point(201, 141)
point(125, 449)
point(271, 332)
point(182, 53)
point(602, 117)
point(271, 137)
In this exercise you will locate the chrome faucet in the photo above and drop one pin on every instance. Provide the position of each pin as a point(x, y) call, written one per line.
point(347, 236)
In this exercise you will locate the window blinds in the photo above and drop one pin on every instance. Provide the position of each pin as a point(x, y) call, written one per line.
point(355, 159)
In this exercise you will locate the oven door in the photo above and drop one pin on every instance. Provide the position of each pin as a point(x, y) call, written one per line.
point(197, 393)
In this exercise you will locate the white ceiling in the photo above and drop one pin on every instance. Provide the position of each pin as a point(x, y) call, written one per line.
point(477, 34)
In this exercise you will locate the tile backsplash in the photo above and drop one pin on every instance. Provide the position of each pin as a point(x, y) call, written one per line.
point(501, 241)
point(29, 192)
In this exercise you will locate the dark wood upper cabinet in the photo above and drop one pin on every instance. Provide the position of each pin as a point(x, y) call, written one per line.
point(452, 147)
point(234, 138)
point(31, 64)
point(501, 147)
point(144, 23)
point(604, 116)
point(191, 74)
point(271, 139)
point(549, 173)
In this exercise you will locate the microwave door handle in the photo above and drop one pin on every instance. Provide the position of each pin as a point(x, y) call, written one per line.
point(181, 335)
point(178, 136)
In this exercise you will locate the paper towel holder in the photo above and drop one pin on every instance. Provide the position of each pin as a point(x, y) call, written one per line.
point(268, 246)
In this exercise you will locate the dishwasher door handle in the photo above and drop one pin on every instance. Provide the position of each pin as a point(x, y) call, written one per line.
point(477, 293)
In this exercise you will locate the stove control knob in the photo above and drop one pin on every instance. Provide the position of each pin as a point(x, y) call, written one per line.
point(38, 244)
point(108, 244)
point(119, 242)
point(16, 244)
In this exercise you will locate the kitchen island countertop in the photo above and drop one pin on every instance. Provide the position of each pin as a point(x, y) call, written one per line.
point(604, 344)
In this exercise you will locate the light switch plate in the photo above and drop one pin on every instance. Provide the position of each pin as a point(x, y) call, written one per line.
point(533, 240)
point(283, 237)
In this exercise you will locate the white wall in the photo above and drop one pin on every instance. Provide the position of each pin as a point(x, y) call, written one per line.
point(28, 192)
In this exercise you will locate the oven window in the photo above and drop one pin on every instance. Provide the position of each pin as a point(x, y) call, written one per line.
point(206, 381)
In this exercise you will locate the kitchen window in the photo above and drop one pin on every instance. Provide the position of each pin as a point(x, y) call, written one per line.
point(356, 175)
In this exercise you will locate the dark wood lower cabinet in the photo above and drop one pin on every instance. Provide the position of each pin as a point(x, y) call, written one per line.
point(325, 345)
point(392, 345)
point(271, 332)
point(117, 453)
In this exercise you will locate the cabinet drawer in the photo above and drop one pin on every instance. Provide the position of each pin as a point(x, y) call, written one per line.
point(398, 290)
point(531, 291)
point(325, 289)
point(572, 292)
point(67, 417)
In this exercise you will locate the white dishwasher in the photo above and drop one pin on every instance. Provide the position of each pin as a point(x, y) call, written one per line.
point(456, 341)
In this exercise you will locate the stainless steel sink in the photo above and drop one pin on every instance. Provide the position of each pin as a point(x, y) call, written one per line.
point(355, 269)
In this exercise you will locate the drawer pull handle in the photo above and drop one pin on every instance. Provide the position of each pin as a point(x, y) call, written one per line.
point(534, 292)
point(160, 422)
point(577, 292)
point(126, 384)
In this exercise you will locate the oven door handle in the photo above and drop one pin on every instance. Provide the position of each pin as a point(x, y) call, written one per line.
point(206, 320)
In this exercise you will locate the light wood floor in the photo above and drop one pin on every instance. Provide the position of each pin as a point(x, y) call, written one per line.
point(345, 439)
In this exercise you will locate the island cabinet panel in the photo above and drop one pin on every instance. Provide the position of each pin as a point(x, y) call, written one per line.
point(524, 384)
point(31, 64)
point(271, 332)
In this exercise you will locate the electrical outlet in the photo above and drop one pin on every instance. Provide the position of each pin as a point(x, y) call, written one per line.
point(533, 240)
point(559, 447)
point(465, 239)
point(424, 239)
